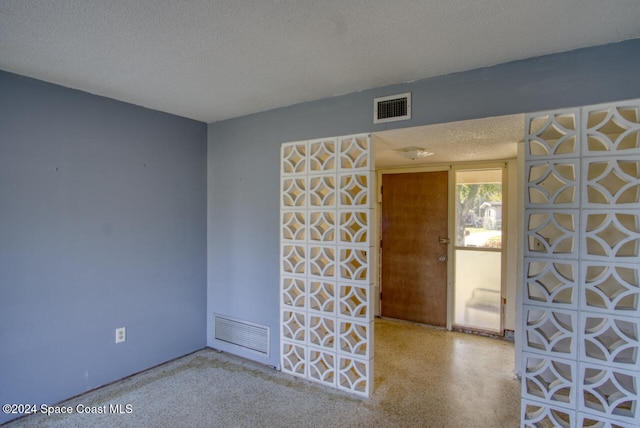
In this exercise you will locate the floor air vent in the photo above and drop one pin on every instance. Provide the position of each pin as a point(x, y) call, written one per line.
point(391, 108)
point(242, 333)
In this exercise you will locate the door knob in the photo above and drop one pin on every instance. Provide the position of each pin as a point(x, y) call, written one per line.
point(442, 258)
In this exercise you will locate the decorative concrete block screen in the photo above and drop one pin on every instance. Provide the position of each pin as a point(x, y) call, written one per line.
point(326, 255)
point(581, 349)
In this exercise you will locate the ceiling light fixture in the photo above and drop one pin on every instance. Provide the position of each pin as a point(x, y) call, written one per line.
point(414, 153)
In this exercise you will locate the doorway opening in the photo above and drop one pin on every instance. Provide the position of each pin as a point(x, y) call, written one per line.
point(485, 151)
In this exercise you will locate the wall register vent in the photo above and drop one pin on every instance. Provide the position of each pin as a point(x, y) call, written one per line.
point(392, 108)
point(250, 336)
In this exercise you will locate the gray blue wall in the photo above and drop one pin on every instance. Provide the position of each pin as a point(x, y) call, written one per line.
point(102, 225)
point(243, 157)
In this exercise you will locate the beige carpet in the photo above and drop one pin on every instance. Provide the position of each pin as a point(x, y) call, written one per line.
point(424, 377)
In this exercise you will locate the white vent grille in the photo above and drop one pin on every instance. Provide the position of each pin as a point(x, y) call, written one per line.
point(392, 108)
point(251, 336)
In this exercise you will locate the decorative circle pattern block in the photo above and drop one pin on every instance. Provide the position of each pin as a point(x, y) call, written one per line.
point(354, 301)
point(355, 153)
point(322, 296)
point(612, 235)
point(613, 129)
point(293, 359)
point(552, 332)
point(610, 392)
point(612, 182)
point(552, 135)
point(355, 191)
point(354, 264)
point(551, 282)
point(294, 326)
point(322, 226)
point(354, 227)
point(294, 259)
point(293, 226)
point(322, 262)
point(322, 366)
point(322, 156)
point(612, 341)
point(355, 338)
point(611, 287)
point(549, 380)
point(552, 233)
point(355, 375)
point(294, 158)
point(322, 332)
point(553, 183)
point(294, 192)
point(293, 292)
point(322, 191)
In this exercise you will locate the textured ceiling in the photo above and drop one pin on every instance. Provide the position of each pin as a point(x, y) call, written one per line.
point(491, 138)
point(212, 60)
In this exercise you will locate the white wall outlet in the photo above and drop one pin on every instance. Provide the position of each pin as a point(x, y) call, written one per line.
point(121, 334)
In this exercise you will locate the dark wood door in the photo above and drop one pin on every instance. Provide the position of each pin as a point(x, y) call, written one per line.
point(414, 267)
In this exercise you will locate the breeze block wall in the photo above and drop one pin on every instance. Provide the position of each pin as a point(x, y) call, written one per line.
point(327, 251)
point(581, 314)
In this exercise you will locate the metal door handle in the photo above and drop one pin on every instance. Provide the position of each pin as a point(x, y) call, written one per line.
point(442, 258)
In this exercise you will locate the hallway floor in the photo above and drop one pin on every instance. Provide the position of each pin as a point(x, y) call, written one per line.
point(424, 377)
point(436, 378)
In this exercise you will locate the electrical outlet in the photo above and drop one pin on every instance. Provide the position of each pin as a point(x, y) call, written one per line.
point(121, 334)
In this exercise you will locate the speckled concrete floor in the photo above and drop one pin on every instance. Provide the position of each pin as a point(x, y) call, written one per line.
point(424, 377)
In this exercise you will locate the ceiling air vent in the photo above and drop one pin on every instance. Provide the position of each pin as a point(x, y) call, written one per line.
point(392, 108)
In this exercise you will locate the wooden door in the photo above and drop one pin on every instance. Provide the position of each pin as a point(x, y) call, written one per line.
point(414, 267)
